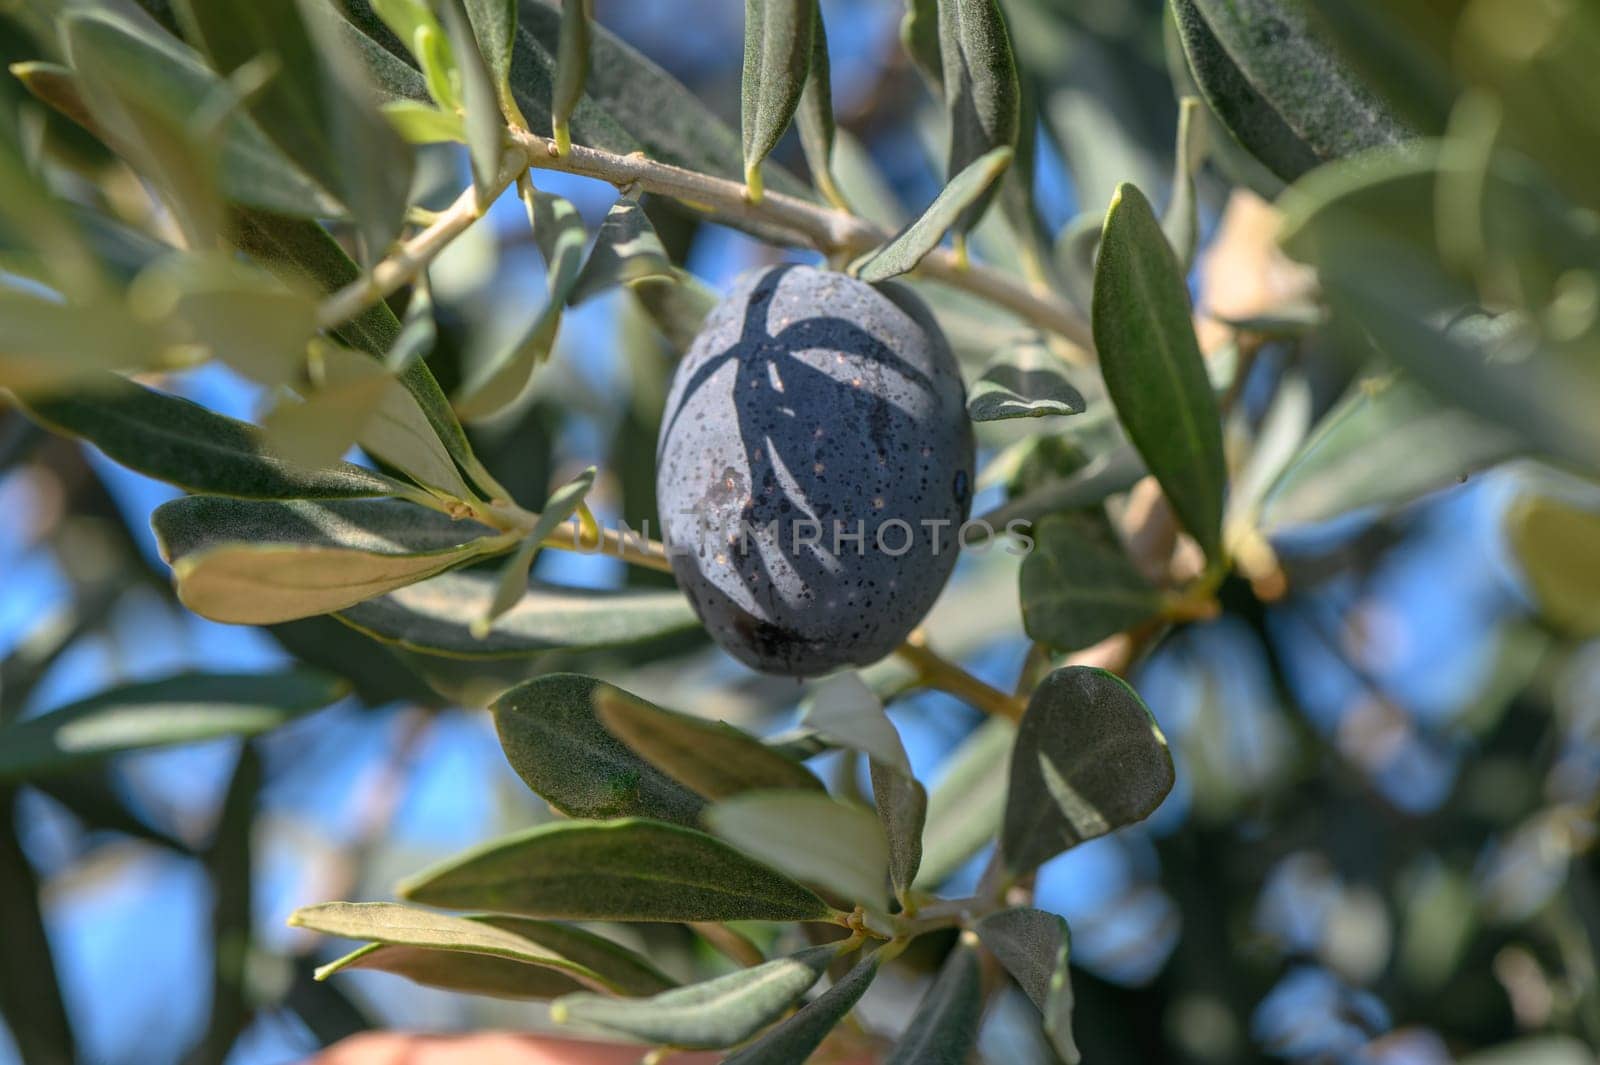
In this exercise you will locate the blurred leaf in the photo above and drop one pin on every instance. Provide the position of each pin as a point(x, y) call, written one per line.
point(1089, 759)
point(229, 863)
point(1387, 442)
point(778, 37)
point(814, 118)
point(494, 23)
point(1153, 368)
point(711, 758)
point(316, 427)
point(625, 250)
point(944, 1028)
point(181, 709)
point(1279, 86)
point(512, 584)
point(1033, 946)
point(254, 563)
point(387, 924)
point(1024, 381)
point(912, 243)
point(902, 805)
point(91, 796)
point(376, 674)
point(485, 126)
point(843, 710)
point(798, 1036)
point(1533, 1050)
point(678, 306)
point(183, 443)
point(48, 346)
point(813, 837)
point(1181, 222)
point(246, 318)
point(572, 68)
point(614, 871)
point(967, 803)
point(919, 35)
point(1557, 546)
point(1278, 439)
point(1073, 254)
point(422, 123)
point(436, 616)
point(719, 1012)
point(981, 94)
point(554, 740)
point(1103, 476)
point(558, 230)
point(1077, 590)
point(395, 429)
point(30, 987)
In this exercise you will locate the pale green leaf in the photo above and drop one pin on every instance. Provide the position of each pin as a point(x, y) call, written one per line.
point(513, 580)
point(625, 250)
point(814, 117)
point(778, 36)
point(843, 710)
point(813, 837)
point(1181, 222)
point(1557, 546)
point(797, 1037)
point(572, 68)
point(422, 123)
point(1078, 589)
point(1025, 381)
point(485, 125)
point(981, 93)
point(911, 244)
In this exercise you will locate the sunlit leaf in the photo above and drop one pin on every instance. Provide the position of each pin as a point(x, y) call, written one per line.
point(625, 250)
point(1089, 759)
point(1078, 589)
point(628, 870)
point(254, 563)
point(1153, 368)
point(422, 123)
point(911, 244)
point(711, 758)
point(843, 710)
point(778, 36)
point(553, 739)
point(1024, 381)
point(48, 346)
point(1033, 946)
point(981, 93)
point(572, 68)
point(813, 837)
point(494, 23)
point(814, 117)
point(513, 581)
point(480, 99)
point(1181, 222)
point(187, 708)
point(452, 970)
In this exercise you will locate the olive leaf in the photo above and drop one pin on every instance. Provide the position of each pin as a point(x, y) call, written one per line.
point(480, 98)
point(813, 837)
point(1034, 946)
point(712, 759)
point(844, 711)
point(1089, 759)
point(919, 36)
point(944, 1028)
point(558, 231)
point(814, 117)
point(453, 970)
point(778, 37)
point(678, 306)
point(912, 243)
point(981, 92)
point(1078, 590)
point(1024, 381)
point(798, 1036)
point(436, 616)
point(572, 69)
point(626, 250)
point(1556, 545)
point(1181, 222)
point(967, 803)
point(252, 562)
point(494, 24)
point(173, 440)
point(51, 345)
point(186, 708)
point(421, 123)
point(1153, 368)
point(513, 581)
point(554, 740)
point(625, 870)
point(902, 804)
point(715, 1013)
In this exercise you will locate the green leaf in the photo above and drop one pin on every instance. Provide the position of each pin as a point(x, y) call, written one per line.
point(486, 127)
point(1181, 222)
point(778, 37)
point(1387, 442)
point(1279, 86)
point(1103, 476)
point(1024, 381)
point(396, 429)
point(436, 616)
point(558, 231)
point(48, 346)
point(255, 563)
point(317, 426)
point(798, 1036)
point(945, 1026)
point(512, 583)
point(711, 758)
point(1153, 368)
point(967, 804)
point(981, 92)
point(554, 740)
point(716, 1013)
point(678, 306)
point(187, 708)
point(470, 974)
point(422, 123)
point(912, 243)
point(1089, 759)
point(919, 35)
point(814, 118)
point(843, 710)
point(183, 443)
point(902, 804)
point(242, 315)
point(1033, 946)
point(811, 836)
point(628, 973)
point(1078, 589)
point(252, 170)
point(626, 250)
point(572, 69)
point(627, 870)
point(494, 24)
point(1557, 546)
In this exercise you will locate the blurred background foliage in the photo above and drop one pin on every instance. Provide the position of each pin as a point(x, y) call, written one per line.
point(1379, 848)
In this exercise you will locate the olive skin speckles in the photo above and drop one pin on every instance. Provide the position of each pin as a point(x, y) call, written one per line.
point(812, 409)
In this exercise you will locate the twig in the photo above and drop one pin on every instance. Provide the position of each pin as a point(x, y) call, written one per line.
point(936, 671)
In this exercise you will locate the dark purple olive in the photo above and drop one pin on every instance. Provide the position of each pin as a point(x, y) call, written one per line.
point(814, 466)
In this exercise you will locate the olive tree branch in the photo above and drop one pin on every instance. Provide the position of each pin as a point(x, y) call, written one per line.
point(936, 671)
